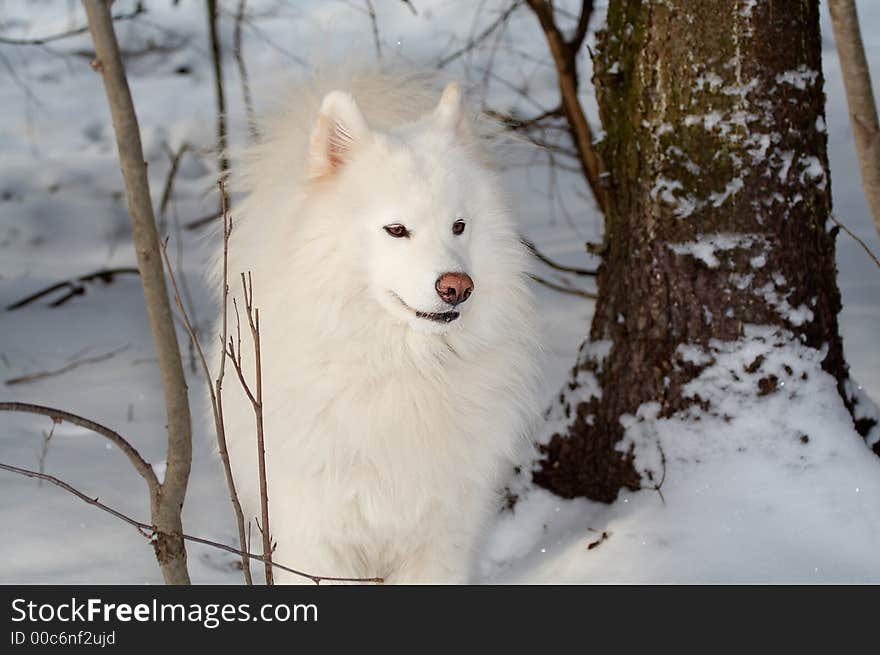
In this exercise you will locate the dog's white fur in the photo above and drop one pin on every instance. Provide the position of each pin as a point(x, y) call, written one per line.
point(387, 435)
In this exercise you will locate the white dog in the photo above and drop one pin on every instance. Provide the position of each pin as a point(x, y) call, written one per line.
point(398, 341)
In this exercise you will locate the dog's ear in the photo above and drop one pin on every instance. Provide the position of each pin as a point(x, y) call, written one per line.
point(339, 129)
point(448, 115)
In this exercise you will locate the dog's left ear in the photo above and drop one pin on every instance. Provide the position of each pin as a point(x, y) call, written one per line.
point(448, 115)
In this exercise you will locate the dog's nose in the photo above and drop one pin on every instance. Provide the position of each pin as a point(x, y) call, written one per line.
point(454, 288)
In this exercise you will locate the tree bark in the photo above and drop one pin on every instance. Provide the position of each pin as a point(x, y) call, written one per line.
point(166, 505)
point(859, 98)
point(715, 132)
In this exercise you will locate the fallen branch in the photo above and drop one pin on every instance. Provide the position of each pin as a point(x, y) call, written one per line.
point(42, 375)
point(148, 531)
point(75, 286)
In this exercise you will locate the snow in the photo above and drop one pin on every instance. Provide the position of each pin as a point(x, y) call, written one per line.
point(758, 506)
point(705, 246)
point(763, 489)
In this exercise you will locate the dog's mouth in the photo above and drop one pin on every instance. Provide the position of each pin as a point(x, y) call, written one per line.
point(437, 317)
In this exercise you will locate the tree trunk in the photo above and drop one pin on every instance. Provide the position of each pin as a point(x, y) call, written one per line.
point(718, 213)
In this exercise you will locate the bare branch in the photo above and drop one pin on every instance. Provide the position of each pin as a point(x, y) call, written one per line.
point(562, 289)
point(217, 58)
point(482, 36)
point(148, 531)
point(374, 23)
point(242, 70)
point(74, 286)
point(552, 264)
point(141, 465)
point(41, 375)
point(858, 240)
point(43, 40)
point(565, 59)
point(215, 386)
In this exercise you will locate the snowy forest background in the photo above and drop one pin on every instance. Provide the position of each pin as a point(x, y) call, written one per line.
point(749, 511)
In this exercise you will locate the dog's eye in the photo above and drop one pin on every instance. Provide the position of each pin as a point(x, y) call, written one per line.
point(458, 227)
point(396, 230)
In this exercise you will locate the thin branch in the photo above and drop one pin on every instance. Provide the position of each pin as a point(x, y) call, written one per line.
point(374, 24)
point(482, 36)
point(513, 123)
point(253, 317)
point(217, 58)
point(242, 70)
point(174, 158)
point(74, 286)
point(141, 465)
point(201, 222)
point(215, 386)
point(43, 40)
point(148, 531)
point(42, 375)
point(857, 239)
point(552, 264)
point(562, 289)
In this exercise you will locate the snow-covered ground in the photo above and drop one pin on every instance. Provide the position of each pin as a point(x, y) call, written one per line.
point(748, 500)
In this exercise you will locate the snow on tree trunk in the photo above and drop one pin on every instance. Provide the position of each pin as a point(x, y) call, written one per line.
point(718, 217)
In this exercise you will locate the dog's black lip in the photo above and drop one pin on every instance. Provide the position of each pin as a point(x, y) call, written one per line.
point(440, 317)
point(437, 317)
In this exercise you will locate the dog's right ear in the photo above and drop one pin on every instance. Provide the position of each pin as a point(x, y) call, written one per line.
point(339, 130)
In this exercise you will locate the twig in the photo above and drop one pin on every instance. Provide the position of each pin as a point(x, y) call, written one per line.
point(561, 289)
point(215, 386)
point(479, 38)
point(74, 286)
point(148, 531)
point(57, 415)
point(857, 239)
point(174, 158)
point(552, 264)
point(35, 377)
point(43, 40)
point(242, 70)
point(374, 23)
point(217, 58)
point(256, 398)
point(44, 451)
point(201, 222)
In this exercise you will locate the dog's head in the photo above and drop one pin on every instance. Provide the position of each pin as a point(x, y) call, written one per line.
point(423, 203)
